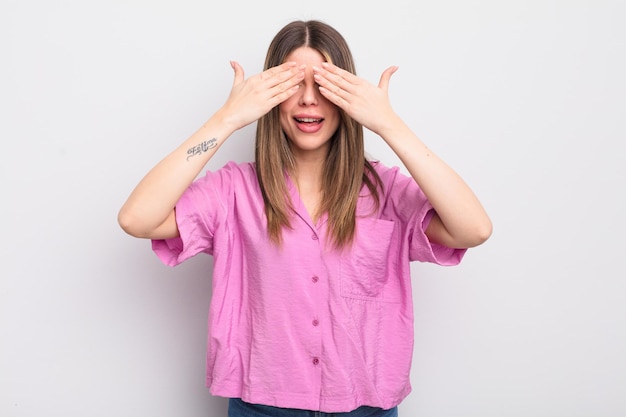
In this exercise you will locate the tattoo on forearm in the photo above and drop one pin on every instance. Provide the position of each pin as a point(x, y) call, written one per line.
point(201, 148)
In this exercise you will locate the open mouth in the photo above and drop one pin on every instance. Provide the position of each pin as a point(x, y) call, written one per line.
point(308, 120)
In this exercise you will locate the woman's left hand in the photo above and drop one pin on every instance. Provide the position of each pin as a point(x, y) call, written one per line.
point(460, 220)
point(366, 103)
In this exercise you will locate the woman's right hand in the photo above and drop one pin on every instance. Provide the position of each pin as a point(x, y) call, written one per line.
point(149, 210)
point(252, 98)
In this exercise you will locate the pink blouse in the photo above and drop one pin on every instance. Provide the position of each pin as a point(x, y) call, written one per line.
point(304, 325)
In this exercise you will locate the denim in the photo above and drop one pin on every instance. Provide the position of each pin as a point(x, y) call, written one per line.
point(238, 408)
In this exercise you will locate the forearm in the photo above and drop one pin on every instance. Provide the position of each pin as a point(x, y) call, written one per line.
point(149, 210)
point(152, 201)
point(462, 217)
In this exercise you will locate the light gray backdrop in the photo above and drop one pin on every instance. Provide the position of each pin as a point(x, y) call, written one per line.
point(525, 99)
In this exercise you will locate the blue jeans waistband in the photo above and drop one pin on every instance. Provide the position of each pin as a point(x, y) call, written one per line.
point(239, 408)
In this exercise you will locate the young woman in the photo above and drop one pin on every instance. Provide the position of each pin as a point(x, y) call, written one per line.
point(311, 311)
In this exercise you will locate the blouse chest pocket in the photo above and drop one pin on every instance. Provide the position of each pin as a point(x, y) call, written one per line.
point(364, 268)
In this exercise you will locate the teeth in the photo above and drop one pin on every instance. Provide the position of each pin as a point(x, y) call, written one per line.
point(307, 120)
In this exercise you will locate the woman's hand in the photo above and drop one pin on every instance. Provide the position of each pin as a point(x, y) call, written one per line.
point(252, 98)
point(460, 220)
point(149, 210)
point(366, 103)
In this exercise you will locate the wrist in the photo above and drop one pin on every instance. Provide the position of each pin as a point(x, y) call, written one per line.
point(220, 126)
point(393, 128)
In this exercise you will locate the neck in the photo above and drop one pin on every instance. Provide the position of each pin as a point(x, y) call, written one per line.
point(308, 180)
point(309, 169)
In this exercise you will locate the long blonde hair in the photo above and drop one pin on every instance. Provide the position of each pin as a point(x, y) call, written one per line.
point(346, 168)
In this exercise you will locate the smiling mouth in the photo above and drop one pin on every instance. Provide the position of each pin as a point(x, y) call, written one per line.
point(308, 120)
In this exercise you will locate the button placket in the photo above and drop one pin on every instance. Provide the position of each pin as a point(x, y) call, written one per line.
point(315, 323)
point(315, 331)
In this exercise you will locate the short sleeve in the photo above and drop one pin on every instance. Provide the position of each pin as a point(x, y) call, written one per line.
point(406, 203)
point(199, 211)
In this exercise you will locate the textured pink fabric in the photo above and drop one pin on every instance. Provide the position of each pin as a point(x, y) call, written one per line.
point(304, 325)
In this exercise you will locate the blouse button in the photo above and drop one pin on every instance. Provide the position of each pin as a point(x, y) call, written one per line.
point(315, 279)
point(314, 237)
point(315, 322)
point(316, 361)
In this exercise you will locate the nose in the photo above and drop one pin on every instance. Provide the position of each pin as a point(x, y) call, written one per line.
point(308, 92)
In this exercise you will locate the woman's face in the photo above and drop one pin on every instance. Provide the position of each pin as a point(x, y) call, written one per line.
point(308, 119)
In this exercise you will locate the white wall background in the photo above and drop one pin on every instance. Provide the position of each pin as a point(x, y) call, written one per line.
point(526, 99)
